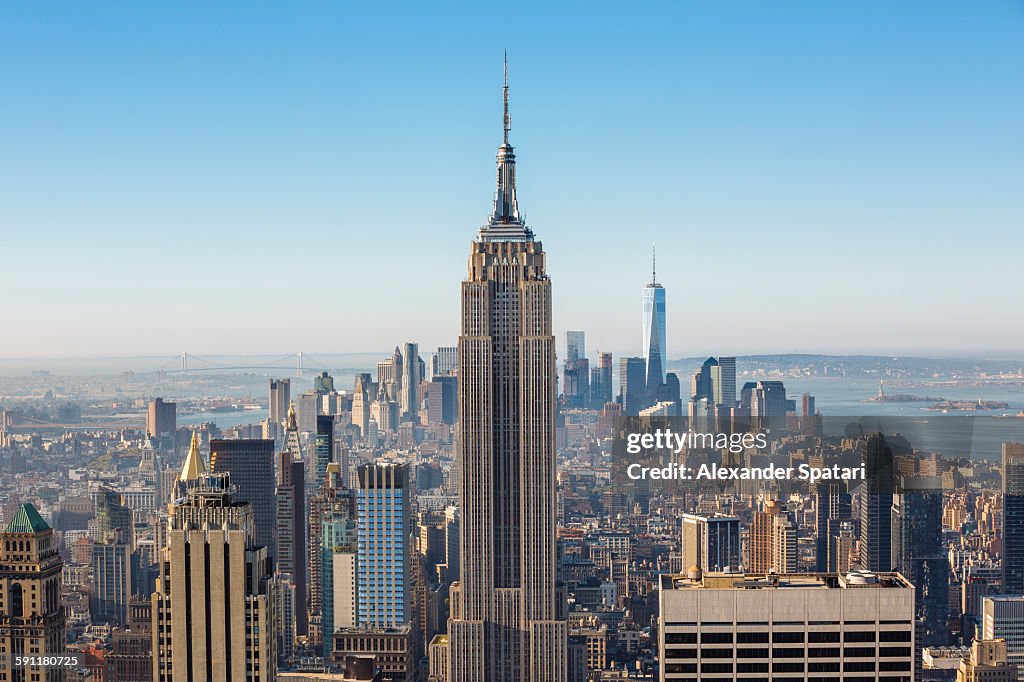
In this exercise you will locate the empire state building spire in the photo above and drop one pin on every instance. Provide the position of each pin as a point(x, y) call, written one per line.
point(507, 618)
point(506, 223)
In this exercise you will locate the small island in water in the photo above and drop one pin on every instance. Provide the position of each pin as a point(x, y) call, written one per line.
point(968, 405)
point(882, 397)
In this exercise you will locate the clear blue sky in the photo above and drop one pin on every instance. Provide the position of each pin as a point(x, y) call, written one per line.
point(250, 178)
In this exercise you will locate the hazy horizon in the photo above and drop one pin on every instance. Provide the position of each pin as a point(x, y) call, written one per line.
point(314, 362)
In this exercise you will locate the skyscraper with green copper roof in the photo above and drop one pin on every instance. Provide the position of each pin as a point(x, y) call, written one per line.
point(27, 520)
point(30, 584)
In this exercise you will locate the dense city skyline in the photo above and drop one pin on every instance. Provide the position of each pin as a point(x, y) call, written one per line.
point(675, 497)
point(171, 174)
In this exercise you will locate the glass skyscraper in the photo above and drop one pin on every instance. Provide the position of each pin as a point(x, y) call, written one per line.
point(382, 526)
point(654, 331)
point(1013, 518)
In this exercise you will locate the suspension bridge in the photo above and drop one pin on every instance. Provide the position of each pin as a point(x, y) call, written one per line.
point(188, 363)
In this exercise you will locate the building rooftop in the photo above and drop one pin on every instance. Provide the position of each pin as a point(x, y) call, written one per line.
point(695, 579)
point(27, 520)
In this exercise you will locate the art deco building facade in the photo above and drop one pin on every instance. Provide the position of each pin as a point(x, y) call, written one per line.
point(291, 520)
point(213, 615)
point(31, 615)
point(506, 620)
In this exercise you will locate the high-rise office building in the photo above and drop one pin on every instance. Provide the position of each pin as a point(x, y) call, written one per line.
point(725, 382)
point(443, 399)
point(339, 587)
point(111, 578)
point(977, 580)
point(576, 382)
point(761, 542)
point(323, 383)
point(810, 420)
point(362, 396)
point(876, 505)
point(507, 617)
point(784, 544)
point(389, 376)
point(30, 583)
point(111, 515)
point(330, 502)
point(383, 524)
point(669, 392)
point(291, 531)
point(1013, 518)
point(250, 461)
point(280, 401)
point(704, 381)
point(601, 382)
point(411, 378)
point(831, 504)
point(632, 385)
point(397, 370)
point(919, 553)
point(385, 414)
point(786, 626)
point(161, 419)
point(284, 617)
point(444, 361)
point(213, 615)
point(655, 348)
point(576, 376)
point(323, 446)
point(712, 543)
point(575, 345)
point(768, 404)
point(1002, 617)
point(309, 405)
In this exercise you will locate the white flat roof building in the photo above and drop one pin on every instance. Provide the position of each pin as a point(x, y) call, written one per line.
point(816, 627)
point(1002, 617)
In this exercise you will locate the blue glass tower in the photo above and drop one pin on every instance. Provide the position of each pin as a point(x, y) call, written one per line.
point(654, 331)
point(383, 523)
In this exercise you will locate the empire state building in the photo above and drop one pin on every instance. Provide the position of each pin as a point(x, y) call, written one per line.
point(507, 624)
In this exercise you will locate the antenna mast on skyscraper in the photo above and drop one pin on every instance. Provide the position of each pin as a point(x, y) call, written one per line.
point(654, 276)
point(506, 120)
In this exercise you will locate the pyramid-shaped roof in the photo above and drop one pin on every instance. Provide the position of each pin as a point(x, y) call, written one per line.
point(27, 520)
point(193, 467)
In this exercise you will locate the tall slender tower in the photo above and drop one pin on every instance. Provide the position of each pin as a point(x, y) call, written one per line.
point(654, 330)
point(506, 621)
point(411, 377)
point(292, 519)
